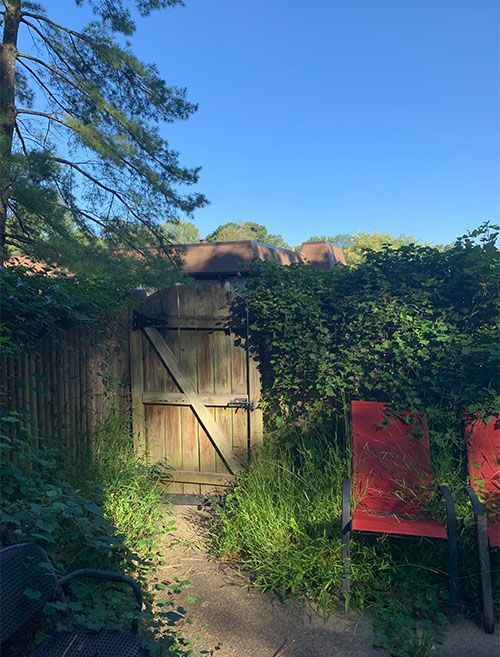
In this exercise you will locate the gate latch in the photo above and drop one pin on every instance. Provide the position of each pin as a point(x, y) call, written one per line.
point(242, 402)
point(140, 321)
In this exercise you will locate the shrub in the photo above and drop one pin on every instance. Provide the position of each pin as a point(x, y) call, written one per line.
point(414, 325)
point(108, 529)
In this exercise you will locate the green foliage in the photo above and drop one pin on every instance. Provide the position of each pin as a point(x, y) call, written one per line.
point(414, 325)
point(355, 246)
point(183, 232)
point(132, 496)
point(245, 230)
point(116, 525)
point(280, 519)
point(343, 240)
point(86, 164)
point(37, 301)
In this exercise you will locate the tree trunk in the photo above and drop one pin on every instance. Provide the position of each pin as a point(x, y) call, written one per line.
point(8, 54)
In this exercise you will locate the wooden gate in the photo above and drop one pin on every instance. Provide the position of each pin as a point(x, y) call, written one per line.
point(194, 391)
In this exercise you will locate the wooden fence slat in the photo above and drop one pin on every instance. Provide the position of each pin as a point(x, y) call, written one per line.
point(53, 381)
point(137, 388)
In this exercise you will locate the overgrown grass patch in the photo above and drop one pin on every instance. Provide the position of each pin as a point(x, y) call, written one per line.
point(281, 521)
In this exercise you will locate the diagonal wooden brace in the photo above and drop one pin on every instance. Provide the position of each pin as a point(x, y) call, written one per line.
point(214, 432)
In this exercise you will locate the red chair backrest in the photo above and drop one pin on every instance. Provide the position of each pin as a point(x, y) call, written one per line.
point(391, 460)
point(483, 452)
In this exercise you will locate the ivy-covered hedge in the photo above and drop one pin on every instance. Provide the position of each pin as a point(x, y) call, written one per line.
point(416, 326)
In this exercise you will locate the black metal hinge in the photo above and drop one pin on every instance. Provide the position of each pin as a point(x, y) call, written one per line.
point(140, 321)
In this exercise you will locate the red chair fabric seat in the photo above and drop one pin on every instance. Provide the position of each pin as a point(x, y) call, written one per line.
point(483, 452)
point(369, 521)
point(494, 534)
point(392, 473)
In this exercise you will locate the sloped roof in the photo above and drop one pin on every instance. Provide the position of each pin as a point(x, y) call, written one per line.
point(322, 254)
point(231, 258)
point(222, 259)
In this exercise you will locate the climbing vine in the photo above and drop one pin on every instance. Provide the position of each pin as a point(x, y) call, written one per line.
point(413, 325)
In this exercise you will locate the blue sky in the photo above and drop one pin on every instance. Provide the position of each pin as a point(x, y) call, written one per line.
point(332, 116)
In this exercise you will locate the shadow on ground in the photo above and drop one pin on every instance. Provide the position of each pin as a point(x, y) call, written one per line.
point(234, 620)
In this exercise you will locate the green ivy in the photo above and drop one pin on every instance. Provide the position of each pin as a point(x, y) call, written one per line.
point(414, 325)
point(38, 504)
point(35, 301)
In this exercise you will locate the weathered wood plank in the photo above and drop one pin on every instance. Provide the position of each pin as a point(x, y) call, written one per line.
point(224, 418)
point(219, 440)
point(196, 477)
point(240, 433)
point(207, 450)
point(155, 430)
point(187, 360)
point(180, 399)
point(190, 450)
point(136, 356)
point(222, 358)
point(173, 441)
point(194, 323)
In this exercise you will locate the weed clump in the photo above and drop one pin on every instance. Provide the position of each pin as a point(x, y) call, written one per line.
point(281, 522)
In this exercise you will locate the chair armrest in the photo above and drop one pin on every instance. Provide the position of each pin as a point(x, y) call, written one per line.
point(451, 513)
point(107, 575)
point(476, 504)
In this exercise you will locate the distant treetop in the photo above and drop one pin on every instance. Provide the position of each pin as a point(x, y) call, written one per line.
point(354, 245)
point(245, 230)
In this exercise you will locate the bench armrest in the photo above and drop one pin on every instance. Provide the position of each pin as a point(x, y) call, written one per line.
point(107, 575)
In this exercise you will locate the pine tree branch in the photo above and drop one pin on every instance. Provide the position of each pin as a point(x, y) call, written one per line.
point(21, 138)
point(14, 211)
point(45, 19)
point(44, 86)
point(56, 119)
point(79, 88)
point(103, 186)
point(73, 209)
point(51, 49)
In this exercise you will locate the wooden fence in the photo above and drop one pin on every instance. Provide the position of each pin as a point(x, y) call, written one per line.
point(63, 383)
point(193, 392)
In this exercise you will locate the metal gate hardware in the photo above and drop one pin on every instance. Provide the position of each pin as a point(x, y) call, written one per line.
point(241, 402)
point(140, 321)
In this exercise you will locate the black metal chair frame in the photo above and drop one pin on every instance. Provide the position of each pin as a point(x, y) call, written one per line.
point(484, 560)
point(103, 575)
point(451, 517)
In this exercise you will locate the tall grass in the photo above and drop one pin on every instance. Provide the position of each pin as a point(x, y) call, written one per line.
point(131, 490)
point(280, 518)
point(281, 521)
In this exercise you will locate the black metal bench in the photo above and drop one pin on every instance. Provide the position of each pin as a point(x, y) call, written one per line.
point(25, 566)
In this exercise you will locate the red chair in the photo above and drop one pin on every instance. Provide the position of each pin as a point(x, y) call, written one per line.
point(391, 481)
point(483, 451)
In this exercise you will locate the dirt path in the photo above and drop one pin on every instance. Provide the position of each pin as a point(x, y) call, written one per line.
point(234, 620)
